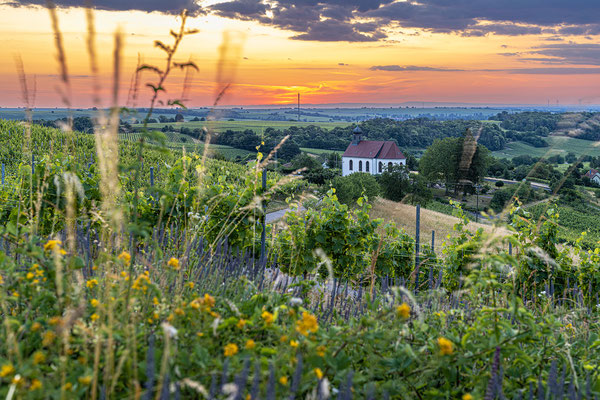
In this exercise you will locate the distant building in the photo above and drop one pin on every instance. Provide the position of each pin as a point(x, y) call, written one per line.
point(370, 156)
point(594, 176)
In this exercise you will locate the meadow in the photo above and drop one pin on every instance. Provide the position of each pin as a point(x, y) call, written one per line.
point(558, 144)
point(241, 125)
point(130, 269)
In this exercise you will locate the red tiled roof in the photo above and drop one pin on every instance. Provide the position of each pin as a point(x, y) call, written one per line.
point(374, 149)
point(591, 173)
point(390, 151)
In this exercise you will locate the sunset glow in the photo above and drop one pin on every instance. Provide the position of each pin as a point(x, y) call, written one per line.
point(269, 65)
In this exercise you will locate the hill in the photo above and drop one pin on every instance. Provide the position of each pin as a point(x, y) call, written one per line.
point(403, 215)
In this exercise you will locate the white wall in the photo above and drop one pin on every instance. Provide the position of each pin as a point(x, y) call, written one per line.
point(373, 164)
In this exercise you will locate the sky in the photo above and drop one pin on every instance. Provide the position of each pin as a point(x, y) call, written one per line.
point(329, 51)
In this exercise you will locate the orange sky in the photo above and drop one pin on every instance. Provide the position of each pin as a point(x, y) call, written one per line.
point(265, 66)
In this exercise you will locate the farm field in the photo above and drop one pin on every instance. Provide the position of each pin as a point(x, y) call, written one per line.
point(558, 145)
point(319, 151)
point(256, 125)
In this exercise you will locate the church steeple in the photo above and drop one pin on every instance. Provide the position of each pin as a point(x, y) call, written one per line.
point(357, 135)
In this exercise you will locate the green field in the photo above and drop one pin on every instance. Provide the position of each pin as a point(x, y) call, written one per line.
point(179, 141)
point(257, 126)
point(558, 145)
point(319, 151)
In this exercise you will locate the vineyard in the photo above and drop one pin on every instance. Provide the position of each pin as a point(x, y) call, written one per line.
point(142, 266)
point(184, 292)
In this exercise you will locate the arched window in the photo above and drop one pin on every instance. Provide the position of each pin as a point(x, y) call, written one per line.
point(350, 165)
point(380, 167)
point(390, 165)
point(360, 166)
point(367, 166)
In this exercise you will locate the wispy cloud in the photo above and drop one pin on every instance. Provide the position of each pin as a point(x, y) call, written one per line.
point(396, 68)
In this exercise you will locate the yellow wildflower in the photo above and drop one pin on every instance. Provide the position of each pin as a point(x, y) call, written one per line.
point(283, 380)
point(94, 302)
point(446, 346)
point(200, 334)
point(92, 283)
point(208, 300)
point(173, 263)
point(403, 310)
point(318, 373)
point(48, 338)
point(191, 285)
point(39, 357)
point(283, 339)
point(467, 396)
point(36, 326)
point(267, 317)
point(52, 244)
point(1, 280)
point(155, 301)
point(54, 321)
point(141, 283)
point(67, 386)
point(308, 323)
point(294, 343)
point(35, 384)
point(241, 323)
point(94, 317)
point(15, 294)
point(179, 311)
point(30, 275)
point(230, 349)
point(85, 380)
point(321, 351)
point(125, 257)
point(250, 344)
point(6, 370)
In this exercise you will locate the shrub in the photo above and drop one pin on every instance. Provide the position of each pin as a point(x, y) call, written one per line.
point(350, 188)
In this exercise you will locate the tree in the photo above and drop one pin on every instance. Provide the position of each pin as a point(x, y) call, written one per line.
point(455, 160)
point(411, 162)
point(349, 188)
point(394, 182)
point(419, 192)
point(334, 160)
point(288, 150)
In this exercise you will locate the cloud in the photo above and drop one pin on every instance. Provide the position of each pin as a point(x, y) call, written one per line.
point(335, 31)
point(343, 64)
point(516, 71)
point(370, 20)
point(336, 20)
point(399, 68)
point(166, 7)
point(562, 53)
point(555, 71)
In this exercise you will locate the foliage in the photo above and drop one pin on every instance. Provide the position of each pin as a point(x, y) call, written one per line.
point(351, 187)
point(454, 160)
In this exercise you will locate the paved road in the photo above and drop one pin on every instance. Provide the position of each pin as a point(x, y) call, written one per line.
point(275, 215)
point(536, 185)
